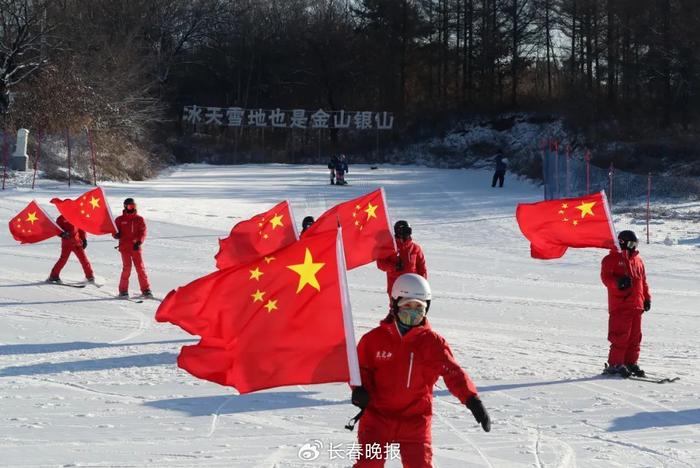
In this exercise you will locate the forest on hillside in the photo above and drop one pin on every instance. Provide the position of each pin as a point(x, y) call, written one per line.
point(127, 68)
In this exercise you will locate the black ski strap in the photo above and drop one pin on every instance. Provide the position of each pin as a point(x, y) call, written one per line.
point(350, 426)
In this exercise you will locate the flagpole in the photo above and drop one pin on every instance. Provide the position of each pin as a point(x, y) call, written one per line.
point(386, 215)
point(293, 219)
point(610, 220)
point(350, 343)
point(109, 209)
point(47, 216)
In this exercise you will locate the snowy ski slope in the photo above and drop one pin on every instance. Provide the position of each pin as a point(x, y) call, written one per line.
point(86, 380)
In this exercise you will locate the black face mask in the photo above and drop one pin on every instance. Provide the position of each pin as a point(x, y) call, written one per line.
point(130, 208)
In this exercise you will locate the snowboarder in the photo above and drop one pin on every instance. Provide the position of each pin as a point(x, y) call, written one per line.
point(306, 223)
point(72, 241)
point(331, 166)
point(131, 234)
point(341, 168)
point(624, 275)
point(500, 173)
point(400, 362)
point(409, 257)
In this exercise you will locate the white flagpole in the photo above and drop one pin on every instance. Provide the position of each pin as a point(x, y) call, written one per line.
point(350, 346)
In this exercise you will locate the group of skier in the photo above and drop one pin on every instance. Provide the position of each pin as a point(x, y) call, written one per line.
point(401, 359)
point(131, 233)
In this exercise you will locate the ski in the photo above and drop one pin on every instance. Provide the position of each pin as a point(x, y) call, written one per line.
point(134, 299)
point(654, 379)
point(144, 298)
point(70, 285)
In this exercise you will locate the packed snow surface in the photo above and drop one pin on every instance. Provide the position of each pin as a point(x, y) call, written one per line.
point(87, 380)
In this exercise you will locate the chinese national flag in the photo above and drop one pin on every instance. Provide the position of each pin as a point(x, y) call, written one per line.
point(257, 236)
point(89, 212)
point(33, 225)
point(281, 320)
point(553, 226)
point(366, 232)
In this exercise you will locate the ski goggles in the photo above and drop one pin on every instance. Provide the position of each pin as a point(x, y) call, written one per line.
point(630, 244)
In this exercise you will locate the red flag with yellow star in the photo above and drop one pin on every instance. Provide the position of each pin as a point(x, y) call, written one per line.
point(33, 225)
point(258, 236)
point(283, 319)
point(89, 212)
point(555, 225)
point(366, 232)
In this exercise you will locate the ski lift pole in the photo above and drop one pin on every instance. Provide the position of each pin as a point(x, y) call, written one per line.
point(611, 177)
point(587, 157)
point(68, 150)
point(5, 150)
point(648, 203)
point(37, 155)
point(92, 155)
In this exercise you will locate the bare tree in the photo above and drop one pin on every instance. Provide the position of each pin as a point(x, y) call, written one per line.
point(24, 30)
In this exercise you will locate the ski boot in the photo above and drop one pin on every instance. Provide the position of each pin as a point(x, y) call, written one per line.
point(619, 369)
point(53, 280)
point(636, 370)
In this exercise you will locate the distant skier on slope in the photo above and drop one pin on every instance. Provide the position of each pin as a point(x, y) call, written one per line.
point(341, 168)
point(500, 172)
point(331, 166)
point(72, 241)
point(400, 362)
point(624, 275)
point(131, 234)
point(409, 256)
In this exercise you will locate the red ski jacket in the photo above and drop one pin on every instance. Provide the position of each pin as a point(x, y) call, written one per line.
point(412, 258)
point(132, 229)
point(77, 236)
point(615, 265)
point(399, 372)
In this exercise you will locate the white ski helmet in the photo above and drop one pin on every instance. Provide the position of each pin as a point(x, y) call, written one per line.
point(411, 286)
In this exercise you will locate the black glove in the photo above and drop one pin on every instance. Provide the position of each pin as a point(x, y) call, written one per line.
point(84, 244)
point(360, 397)
point(647, 305)
point(624, 283)
point(64, 235)
point(117, 235)
point(137, 246)
point(399, 264)
point(482, 417)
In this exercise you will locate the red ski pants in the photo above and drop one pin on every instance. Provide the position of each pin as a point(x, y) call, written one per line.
point(127, 259)
point(625, 336)
point(412, 435)
point(65, 253)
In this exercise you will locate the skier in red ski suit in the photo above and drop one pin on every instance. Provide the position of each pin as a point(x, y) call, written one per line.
point(400, 361)
point(409, 257)
point(624, 275)
point(131, 232)
point(72, 241)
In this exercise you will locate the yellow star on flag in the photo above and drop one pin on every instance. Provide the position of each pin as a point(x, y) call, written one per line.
point(565, 205)
point(307, 272)
point(256, 274)
point(95, 202)
point(268, 259)
point(265, 236)
point(575, 223)
point(370, 211)
point(276, 221)
point(271, 305)
point(586, 209)
point(258, 295)
point(31, 217)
